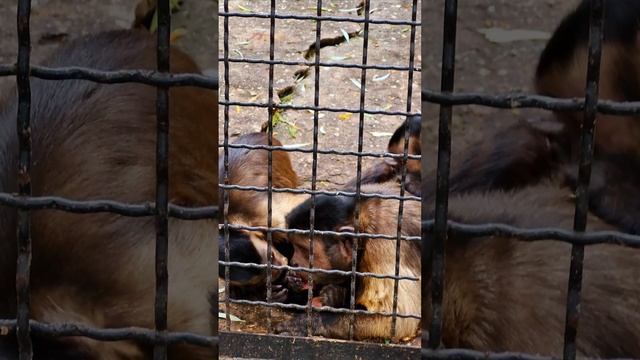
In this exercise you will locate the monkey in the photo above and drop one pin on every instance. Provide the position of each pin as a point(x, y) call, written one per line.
point(516, 156)
point(502, 294)
point(248, 167)
point(562, 71)
point(613, 190)
point(96, 141)
point(391, 168)
point(377, 216)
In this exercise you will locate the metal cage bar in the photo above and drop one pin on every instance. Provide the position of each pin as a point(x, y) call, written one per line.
point(442, 184)
point(23, 269)
point(162, 179)
point(272, 45)
point(226, 166)
point(314, 164)
point(403, 175)
point(596, 31)
point(356, 212)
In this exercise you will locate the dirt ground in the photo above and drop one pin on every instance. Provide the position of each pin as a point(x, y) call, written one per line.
point(385, 90)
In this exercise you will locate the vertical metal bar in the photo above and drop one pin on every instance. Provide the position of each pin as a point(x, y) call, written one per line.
point(162, 178)
point(403, 177)
point(23, 270)
point(225, 192)
point(363, 81)
point(272, 33)
point(314, 165)
point(596, 19)
point(442, 182)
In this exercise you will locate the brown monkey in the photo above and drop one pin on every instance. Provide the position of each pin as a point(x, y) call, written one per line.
point(249, 167)
point(96, 141)
point(507, 295)
point(390, 168)
point(377, 216)
point(562, 71)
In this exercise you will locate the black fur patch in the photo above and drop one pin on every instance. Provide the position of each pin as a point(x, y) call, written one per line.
point(330, 213)
point(621, 24)
point(241, 249)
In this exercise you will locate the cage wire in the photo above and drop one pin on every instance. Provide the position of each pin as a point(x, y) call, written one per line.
point(161, 209)
point(440, 226)
point(253, 345)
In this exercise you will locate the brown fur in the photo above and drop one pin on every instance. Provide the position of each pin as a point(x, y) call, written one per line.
point(249, 167)
point(507, 295)
point(619, 66)
point(391, 168)
point(93, 141)
point(377, 216)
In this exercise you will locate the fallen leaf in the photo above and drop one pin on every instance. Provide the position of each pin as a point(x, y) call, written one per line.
point(345, 116)
point(381, 134)
point(233, 318)
point(381, 78)
point(356, 83)
point(345, 34)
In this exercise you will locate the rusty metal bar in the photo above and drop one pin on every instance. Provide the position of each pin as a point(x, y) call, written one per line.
point(162, 180)
point(442, 184)
point(23, 269)
point(574, 293)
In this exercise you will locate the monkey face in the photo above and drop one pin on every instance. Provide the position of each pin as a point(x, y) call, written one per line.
point(329, 253)
point(250, 247)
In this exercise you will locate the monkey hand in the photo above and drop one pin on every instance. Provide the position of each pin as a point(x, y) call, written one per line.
point(279, 293)
point(296, 282)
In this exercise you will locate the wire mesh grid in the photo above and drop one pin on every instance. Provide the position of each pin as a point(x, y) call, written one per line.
point(228, 58)
point(440, 227)
point(161, 209)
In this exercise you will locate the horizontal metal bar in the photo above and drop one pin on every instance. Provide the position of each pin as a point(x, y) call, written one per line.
point(116, 334)
point(379, 155)
point(588, 238)
point(318, 18)
point(313, 108)
point(518, 101)
point(257, 346)
point(465, 354)
point(148, 77)
point(104, 206)
point(318, 192)
point(316, 271)
point(320, 64)
point(319, 232)
point(280, 305)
